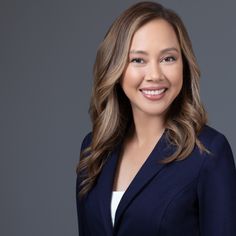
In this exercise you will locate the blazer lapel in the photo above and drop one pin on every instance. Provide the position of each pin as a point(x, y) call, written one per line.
point(104, 188)
point(149, 169)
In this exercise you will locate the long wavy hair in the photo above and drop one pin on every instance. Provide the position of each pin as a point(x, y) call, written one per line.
point(110, 109)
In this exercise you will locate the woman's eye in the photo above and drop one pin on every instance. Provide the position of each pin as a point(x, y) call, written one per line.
point(137, 60)
point(169, 59)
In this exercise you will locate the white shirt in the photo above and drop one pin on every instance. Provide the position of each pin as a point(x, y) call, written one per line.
point(115, 199)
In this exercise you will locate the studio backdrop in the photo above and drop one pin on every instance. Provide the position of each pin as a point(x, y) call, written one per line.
point(47, 53)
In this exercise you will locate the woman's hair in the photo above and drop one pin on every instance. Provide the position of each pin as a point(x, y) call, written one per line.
point(110, 109)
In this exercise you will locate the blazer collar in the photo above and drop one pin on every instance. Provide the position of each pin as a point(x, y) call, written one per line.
point(149, 169)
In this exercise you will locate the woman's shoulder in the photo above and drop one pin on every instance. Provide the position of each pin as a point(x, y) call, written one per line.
point(213, 139)
point(209, 134)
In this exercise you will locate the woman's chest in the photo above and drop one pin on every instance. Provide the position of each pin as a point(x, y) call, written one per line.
point(166, 200)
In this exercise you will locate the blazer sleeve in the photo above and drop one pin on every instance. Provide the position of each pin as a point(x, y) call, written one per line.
point(79, 202)
point(217, 191)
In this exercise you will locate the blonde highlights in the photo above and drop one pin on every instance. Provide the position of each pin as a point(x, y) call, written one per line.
point(110, 110)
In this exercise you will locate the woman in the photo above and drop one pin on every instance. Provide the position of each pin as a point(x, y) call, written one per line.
point(152, 165)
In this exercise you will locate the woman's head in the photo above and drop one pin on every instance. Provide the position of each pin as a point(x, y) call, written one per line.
point(113, 57)
point(153, 76)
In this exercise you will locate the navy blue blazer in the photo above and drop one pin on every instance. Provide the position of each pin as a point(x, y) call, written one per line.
point(195, 196)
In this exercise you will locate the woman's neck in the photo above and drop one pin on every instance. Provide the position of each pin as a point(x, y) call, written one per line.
point(147, 129)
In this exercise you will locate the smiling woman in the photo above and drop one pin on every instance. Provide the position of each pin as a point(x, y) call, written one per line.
point(152, 165)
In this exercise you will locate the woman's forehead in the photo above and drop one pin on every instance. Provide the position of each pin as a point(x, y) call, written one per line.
point(157, 34)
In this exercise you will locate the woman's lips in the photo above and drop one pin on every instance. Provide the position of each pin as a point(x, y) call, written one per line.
point(153, 94)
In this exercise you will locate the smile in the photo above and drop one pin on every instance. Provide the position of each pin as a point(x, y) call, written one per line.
point(153, 94)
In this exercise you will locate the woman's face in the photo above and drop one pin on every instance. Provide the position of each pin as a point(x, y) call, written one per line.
point(154, 74)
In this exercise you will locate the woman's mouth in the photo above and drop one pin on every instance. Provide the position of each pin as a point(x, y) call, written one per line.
point(153, 94)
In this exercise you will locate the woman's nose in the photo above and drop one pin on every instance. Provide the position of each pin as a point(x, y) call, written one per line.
point(155, 72)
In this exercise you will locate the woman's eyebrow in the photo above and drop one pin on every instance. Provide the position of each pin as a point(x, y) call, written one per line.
point(138, 52)
point(170, 49)
point(162, 51)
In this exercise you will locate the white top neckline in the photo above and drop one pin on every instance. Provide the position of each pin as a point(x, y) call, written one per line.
point(115, 200)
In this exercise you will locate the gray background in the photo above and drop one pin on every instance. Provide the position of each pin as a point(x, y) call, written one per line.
point(46, 57)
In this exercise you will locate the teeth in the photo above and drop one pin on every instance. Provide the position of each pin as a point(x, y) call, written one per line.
point(153, 92)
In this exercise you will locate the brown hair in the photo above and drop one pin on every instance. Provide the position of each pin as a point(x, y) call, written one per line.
point(110, 109)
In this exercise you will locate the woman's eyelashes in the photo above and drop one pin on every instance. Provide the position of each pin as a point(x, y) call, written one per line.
point(137, 60)
point(167, 59)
